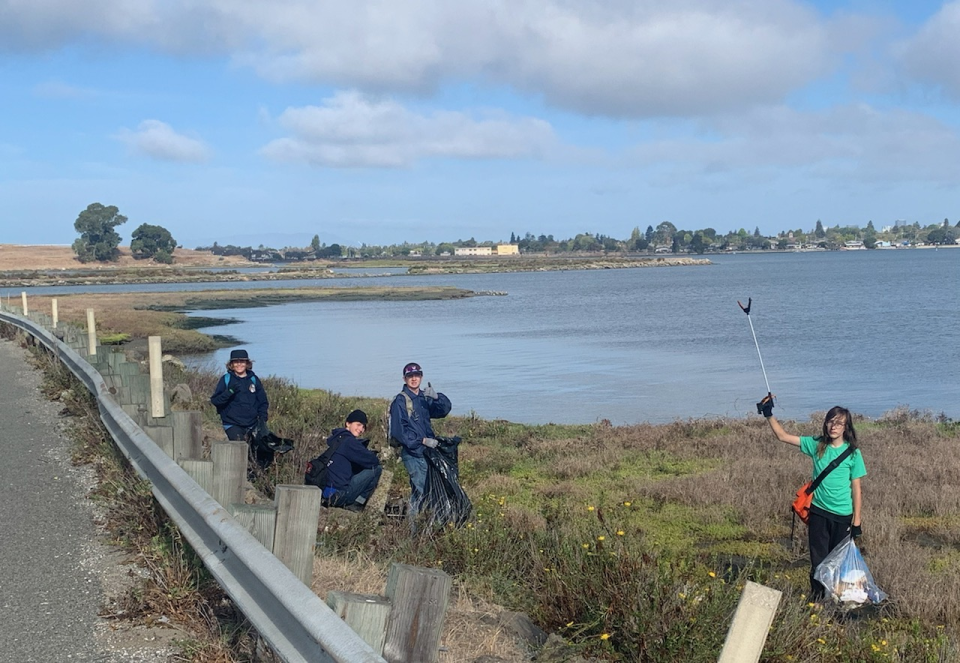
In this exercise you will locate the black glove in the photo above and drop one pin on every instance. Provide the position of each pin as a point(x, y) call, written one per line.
point(856, 531)
point(765, 407)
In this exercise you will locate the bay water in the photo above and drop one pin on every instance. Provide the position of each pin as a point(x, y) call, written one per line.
point(870, 330)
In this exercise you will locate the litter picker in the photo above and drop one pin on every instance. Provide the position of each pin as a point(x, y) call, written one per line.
point(746, 309)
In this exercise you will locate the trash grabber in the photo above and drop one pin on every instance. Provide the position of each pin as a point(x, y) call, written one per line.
point(746, 309)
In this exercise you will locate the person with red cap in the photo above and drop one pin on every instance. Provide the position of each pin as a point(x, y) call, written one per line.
point(410, 427)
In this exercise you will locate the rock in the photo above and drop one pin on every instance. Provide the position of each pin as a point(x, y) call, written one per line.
point(521, 626)
point(170, 359)
point(181, 394)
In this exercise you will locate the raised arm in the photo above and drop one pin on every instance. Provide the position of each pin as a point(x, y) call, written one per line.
point(765, 407)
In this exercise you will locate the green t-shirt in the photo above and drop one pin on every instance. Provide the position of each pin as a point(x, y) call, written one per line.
point(833, 493)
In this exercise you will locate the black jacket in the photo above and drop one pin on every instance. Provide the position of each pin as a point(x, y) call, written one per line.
point(350, 457)
point(240, 401)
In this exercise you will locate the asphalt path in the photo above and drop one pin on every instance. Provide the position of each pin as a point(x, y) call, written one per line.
point(48, 600)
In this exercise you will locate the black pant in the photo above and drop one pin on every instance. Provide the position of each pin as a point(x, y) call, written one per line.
point(263, 457)
point(825, 532)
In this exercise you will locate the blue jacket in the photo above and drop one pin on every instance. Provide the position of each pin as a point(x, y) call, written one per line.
point(242, 401)
point(350, 457)
point(410, 429)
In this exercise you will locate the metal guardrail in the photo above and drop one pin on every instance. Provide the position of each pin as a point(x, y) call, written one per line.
point(294, 621)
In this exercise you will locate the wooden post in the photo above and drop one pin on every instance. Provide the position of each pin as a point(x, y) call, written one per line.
point(91, 333)
point(378, 501)
point(54, 312)
point(258, 519)
point(23, 300)
point(156, 377)
point(229, 472)
point(751, 624)
point(200, 471)
point(366, 615)
point(295, 540)
point(187, 434)
point(162, 436)
point(420, 598)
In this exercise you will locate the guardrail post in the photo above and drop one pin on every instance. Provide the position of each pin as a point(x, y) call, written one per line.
point(23, 301)
point(258, 519)
point(751, 624)
point(295, 539)
point(229, 471)
point(367, 615)
point(54, 312)
point(419, 597)
point(156, 377)
point(162, 436)
point(91, 333)
point(187, 434)
point(200, 471)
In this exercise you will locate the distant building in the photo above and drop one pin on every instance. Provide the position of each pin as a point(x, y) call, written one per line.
point(853, 245)
point(415, 253)
point(474, 251)
point(508, 250)
point(663, 249)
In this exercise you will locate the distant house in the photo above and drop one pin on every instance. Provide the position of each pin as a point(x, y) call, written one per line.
point(474, 251)
point(415, 253)
point(507, 250)
point(853, 245)
point(663, 249)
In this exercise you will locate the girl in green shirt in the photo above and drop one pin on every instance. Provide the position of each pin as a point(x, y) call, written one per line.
point(837, 501)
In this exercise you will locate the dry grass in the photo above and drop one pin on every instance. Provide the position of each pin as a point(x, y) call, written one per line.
point(24, 257)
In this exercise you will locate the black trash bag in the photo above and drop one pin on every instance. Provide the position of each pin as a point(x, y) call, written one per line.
point(442, 496)
point(266, 440)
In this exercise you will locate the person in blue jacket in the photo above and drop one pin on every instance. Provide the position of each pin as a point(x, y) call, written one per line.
point(410, 427)
point(354, 470)
point(242, 404)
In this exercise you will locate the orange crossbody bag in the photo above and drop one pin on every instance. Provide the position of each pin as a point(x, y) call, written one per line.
point(804, 499)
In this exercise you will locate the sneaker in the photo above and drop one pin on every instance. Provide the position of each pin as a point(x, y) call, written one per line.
point(356, 508)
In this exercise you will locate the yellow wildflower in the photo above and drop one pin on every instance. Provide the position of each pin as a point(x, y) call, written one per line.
point(712, 574)
point(620, 532)
point(601, 538)
point(605, 636)
point(590, 508)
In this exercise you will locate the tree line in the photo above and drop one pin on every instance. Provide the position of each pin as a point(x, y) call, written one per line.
point(99, 241)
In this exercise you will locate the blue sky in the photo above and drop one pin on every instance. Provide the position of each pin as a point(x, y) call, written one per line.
point(406, 120)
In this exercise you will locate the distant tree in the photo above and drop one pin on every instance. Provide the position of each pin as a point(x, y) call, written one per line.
point(98, 240)
point(664, 233)
point(640, 244)
point(870, 226)
point(782, 243)
point(756, 231)
point(819, 232)
point(648, 235)
point(336, 251)
point(156, 242)
point(315, 244)
point(696, 244)
point(513, 238)
point(946, 223)
point(675, 246)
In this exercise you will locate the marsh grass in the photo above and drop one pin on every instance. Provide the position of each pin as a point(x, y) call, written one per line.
point(634, 542)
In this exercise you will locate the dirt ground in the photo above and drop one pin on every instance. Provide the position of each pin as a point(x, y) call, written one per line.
point(18, 257)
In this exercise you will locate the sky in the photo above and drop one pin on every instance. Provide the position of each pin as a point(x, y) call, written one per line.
point(383, 121)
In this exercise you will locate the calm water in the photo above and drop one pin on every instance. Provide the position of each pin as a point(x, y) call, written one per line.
point(870, 330)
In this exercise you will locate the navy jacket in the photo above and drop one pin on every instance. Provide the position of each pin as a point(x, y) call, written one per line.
point(242, 401)
point(410, 429)
point(350, 457)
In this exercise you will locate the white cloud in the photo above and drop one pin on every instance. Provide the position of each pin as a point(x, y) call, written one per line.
point(158, 140)
point(932, 54)
point(625, 58)
point(353, 130)
point(842, 144)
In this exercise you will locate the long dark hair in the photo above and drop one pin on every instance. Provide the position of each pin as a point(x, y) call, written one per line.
point(849, 434)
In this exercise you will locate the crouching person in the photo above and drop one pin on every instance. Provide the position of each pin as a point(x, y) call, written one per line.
point(353, 471)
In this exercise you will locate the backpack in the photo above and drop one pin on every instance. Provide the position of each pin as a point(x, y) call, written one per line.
point(410, 413)
point(226, 380)
point(318, 469)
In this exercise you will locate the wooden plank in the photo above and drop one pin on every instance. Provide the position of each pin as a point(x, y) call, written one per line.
point(162, 436)
point(157, 408)
point(91, 333)
point(298, 510)
point(258, 519)
point(229, 471)
point(200, 471)
point(187, 434)
point(751, 624)
point(366, 614)
point(420, 597)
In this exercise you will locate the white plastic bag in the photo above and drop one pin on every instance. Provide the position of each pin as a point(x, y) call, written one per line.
point(847, 578)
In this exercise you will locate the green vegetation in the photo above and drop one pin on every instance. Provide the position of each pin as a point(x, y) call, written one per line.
point(634, 542)
point(155, 242)
point(98, 240)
